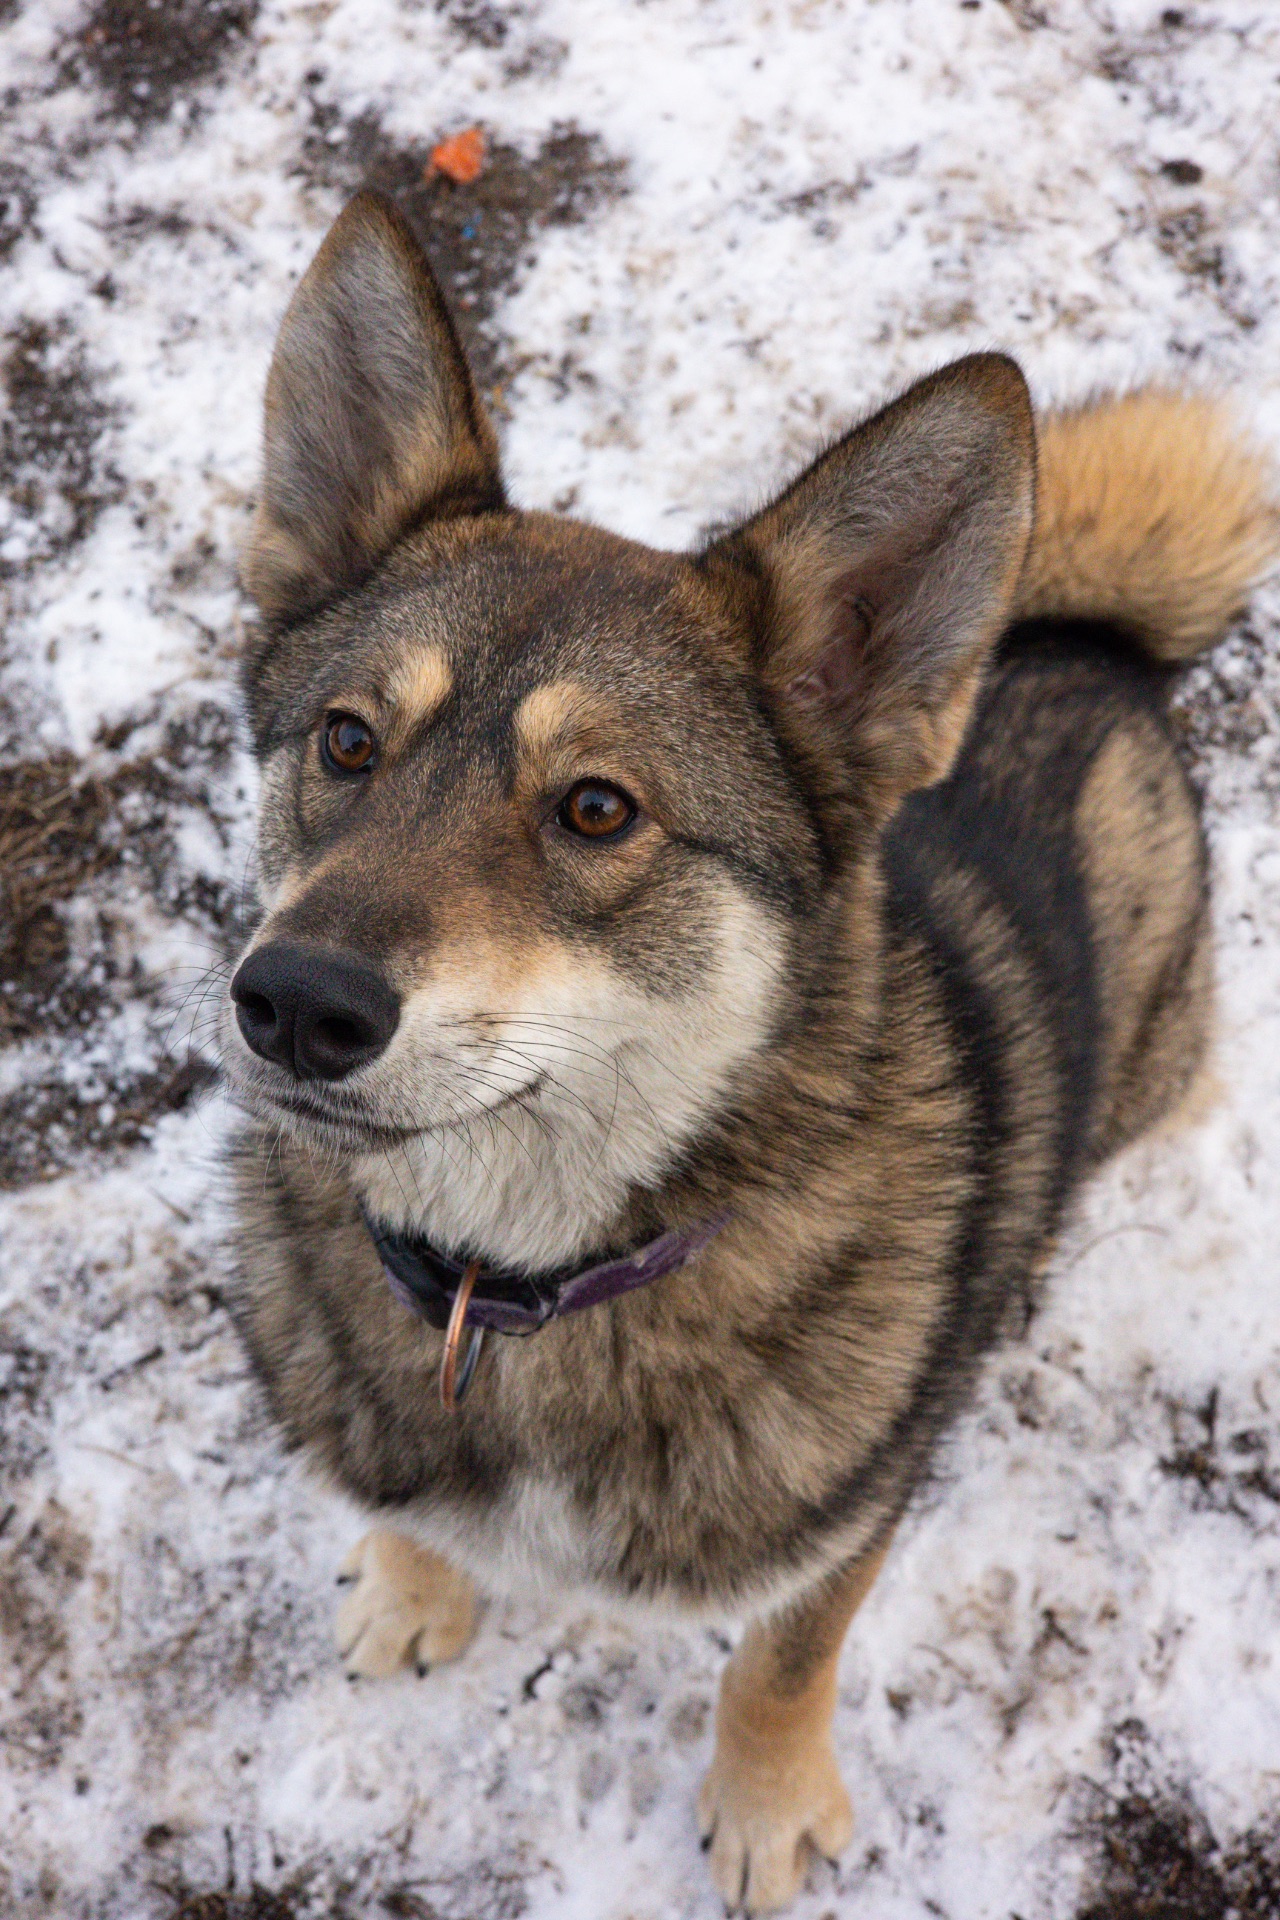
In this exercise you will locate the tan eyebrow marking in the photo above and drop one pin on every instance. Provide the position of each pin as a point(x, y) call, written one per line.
point(419, 688)
point(563, 730)
point(543, 716)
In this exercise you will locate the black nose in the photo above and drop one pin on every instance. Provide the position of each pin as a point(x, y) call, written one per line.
point(319, 1013)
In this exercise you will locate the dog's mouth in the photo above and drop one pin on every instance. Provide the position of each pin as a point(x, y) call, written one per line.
point(330, 1120)
point(344, 1125)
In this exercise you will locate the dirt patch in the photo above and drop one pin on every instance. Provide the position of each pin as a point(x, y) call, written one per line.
point(1191, 234)
point(17, 205)
point(1224, 703)
point(84, 858)
point(1027, 14)
point(479, 22)
point(817, 203)
point(1185, 234)
point(25, 1404)
point(1156, 1857)
point(37, 1576)
point(479, 236)
point(491, 1892)
point(1225, 1469)
point(56, 834)
point(255, 1903)
point(62, 829)
point(52, 474)
point(137, 222)
point(146, 54)
point(488, 1891)
point(227, 1629)
point(51, 1125)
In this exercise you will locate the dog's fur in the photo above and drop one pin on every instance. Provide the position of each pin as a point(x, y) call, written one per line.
point(910, 932)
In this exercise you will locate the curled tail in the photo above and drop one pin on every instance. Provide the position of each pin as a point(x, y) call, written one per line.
point(1155, 513)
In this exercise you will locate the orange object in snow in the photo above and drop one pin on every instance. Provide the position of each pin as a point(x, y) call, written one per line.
point(461, 156)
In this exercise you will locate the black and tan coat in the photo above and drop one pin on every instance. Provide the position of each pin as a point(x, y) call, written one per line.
point(839, 878)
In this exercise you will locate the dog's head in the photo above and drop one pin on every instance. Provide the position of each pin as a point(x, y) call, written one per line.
point(556, 828)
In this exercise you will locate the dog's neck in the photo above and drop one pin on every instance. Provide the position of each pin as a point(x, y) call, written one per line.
point(426, 1280)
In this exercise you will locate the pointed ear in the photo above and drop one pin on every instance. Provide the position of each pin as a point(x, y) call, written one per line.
point(879, 580)
point(372, 421)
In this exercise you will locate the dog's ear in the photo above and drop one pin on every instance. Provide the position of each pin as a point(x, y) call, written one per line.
point(878, 581)
point(372, 421)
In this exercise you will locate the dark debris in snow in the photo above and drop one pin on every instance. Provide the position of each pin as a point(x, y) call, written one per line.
point(478, 235)
point(1154, 1854)
point(146, 54)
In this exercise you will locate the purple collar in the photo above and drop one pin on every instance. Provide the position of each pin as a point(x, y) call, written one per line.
point(426, 1280)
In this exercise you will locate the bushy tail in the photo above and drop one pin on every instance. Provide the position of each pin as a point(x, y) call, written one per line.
point(1154, 512)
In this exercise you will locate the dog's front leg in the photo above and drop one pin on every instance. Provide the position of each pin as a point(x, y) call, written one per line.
point(774, 1789)
point(407, 1606)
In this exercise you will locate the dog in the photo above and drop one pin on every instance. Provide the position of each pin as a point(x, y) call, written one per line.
point(689, 988)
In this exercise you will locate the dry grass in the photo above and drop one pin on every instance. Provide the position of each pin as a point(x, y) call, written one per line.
point(53, 840)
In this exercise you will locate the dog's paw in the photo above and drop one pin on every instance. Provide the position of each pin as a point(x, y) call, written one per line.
point(407, 1607)
point(760, 1822)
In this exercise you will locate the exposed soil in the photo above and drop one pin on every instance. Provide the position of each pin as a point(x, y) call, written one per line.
point(256, 1903)
point(1186, 235)
point(492, 1891)
point(50, 1125)
point(509, 29)
point(80, 856)
point(25, 1403)
point(37, 1572)
point(1224, 1471)
point(1224, 703)
point(61, 829)
point(478, 235)
point(55, 836)
point(479, 22)
point(17, 205)
point(1156, 1856)
point(146, 54)
point(476, 1900)
point(52, 470)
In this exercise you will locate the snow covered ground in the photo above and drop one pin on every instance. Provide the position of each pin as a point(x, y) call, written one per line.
point(709, 233)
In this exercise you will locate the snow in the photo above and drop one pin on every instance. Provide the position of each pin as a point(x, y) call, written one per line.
point(822, 201)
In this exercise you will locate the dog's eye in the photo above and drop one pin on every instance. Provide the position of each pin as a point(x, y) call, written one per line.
point(346, 745)
point(595, 809)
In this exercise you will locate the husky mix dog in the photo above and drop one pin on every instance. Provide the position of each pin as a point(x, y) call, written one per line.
point(689, 987)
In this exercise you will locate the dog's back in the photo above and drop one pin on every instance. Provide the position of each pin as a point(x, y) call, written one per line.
point(1066, 843)
point(1068, 807)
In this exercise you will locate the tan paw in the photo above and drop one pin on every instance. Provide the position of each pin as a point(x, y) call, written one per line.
point(761, 1820)
point(407, 1607)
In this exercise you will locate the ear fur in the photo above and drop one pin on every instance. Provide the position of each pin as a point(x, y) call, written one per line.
point(372, 421)
point(878, 581)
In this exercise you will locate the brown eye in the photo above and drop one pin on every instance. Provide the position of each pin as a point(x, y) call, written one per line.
point(595, 809)
point(346, 745)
